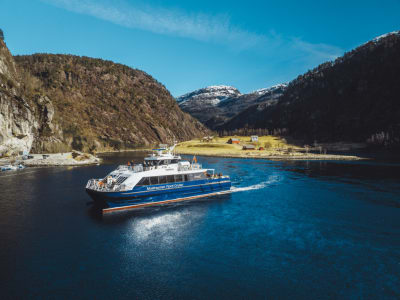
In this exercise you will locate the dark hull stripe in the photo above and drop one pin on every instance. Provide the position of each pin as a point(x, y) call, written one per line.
point(107, 210)
point(174, 188)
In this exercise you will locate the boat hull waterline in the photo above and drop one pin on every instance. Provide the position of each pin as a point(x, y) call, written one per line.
point(141, 197)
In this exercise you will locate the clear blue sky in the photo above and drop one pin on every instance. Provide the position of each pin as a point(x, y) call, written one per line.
point(187, 45)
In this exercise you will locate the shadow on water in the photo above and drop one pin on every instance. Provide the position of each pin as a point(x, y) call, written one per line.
point(95, 211)
point(372, 176)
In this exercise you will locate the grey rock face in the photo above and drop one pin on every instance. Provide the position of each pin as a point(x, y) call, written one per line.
point(17, 125)
point(17, 122)
point(23, 121)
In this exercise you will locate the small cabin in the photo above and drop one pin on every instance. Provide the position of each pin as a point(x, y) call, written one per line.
point(233, 141)
point(254, 139)
point(249, 147)
point(207, 138)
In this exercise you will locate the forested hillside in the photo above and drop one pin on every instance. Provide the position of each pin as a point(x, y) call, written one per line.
point(355, 98)
point(56, 103)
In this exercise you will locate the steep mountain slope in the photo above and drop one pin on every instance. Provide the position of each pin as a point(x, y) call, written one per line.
point(100, 104)
point(354, 98)
point(55, 103)
point(22, 119)
point(216, 104)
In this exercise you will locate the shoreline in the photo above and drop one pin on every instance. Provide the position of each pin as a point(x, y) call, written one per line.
point(124, 150)
point(296, 156)
point(264, 147)
point(281, 157)
point(67, 159)
point(85, 159)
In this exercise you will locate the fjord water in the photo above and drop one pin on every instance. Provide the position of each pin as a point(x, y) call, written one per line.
point(304, 230)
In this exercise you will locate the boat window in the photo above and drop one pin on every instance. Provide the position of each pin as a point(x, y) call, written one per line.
point(162, 179)
point(143, 181)
point(154, 180)
point(121, 179)
point(151, 163)
point(198, 176)
point(186, 177)
point(170, 178)
point(174, 161)
point(178, 178)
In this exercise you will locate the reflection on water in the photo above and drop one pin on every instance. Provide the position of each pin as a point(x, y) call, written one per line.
point(318, 230)
point(165, 228)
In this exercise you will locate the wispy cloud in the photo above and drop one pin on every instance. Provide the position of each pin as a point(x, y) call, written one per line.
point(203, 27)
point(159, 20)
point(318, 52)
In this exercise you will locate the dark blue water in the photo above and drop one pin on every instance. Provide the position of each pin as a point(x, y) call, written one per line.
point(290, 230)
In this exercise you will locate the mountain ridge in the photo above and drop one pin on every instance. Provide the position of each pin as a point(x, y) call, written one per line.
point(215, 105)
point(57, 102)
point(354, 98)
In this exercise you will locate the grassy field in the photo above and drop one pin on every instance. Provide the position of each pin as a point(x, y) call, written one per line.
point(274, 148)
point(220, 146)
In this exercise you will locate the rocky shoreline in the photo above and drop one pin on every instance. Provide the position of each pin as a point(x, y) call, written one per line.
point(54, 159)
point(274, 156)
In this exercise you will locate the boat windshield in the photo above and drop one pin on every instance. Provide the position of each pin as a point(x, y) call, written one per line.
point(152, 163)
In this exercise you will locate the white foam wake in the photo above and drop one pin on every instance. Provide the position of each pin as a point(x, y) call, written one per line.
point(258, 186)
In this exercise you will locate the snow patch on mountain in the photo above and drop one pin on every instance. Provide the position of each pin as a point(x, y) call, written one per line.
point(211, 95)
point(378, 38)
point(214, 105)
point(275, 88)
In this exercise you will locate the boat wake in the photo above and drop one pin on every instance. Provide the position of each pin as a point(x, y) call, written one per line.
point(258, 186)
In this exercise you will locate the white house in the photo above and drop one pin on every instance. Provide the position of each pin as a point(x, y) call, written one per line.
point(254, 138)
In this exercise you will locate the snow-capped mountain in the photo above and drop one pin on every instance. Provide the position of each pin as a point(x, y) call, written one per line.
point(216, 104)
point(211, 95)
point(275, 90)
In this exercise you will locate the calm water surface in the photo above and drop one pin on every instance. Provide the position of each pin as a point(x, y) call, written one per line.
point(304, 230)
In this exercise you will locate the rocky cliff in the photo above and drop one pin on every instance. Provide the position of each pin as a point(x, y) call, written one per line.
point(56, 103)
point(22, 118)
point(215, 105)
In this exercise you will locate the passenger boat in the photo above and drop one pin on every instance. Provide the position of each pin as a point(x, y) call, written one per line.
point(163, 178)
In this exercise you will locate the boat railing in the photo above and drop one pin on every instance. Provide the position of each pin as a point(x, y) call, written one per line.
point(100, 186)
point(120, 188)
point(134, 168)
point(123, 167)
point(196, 166)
